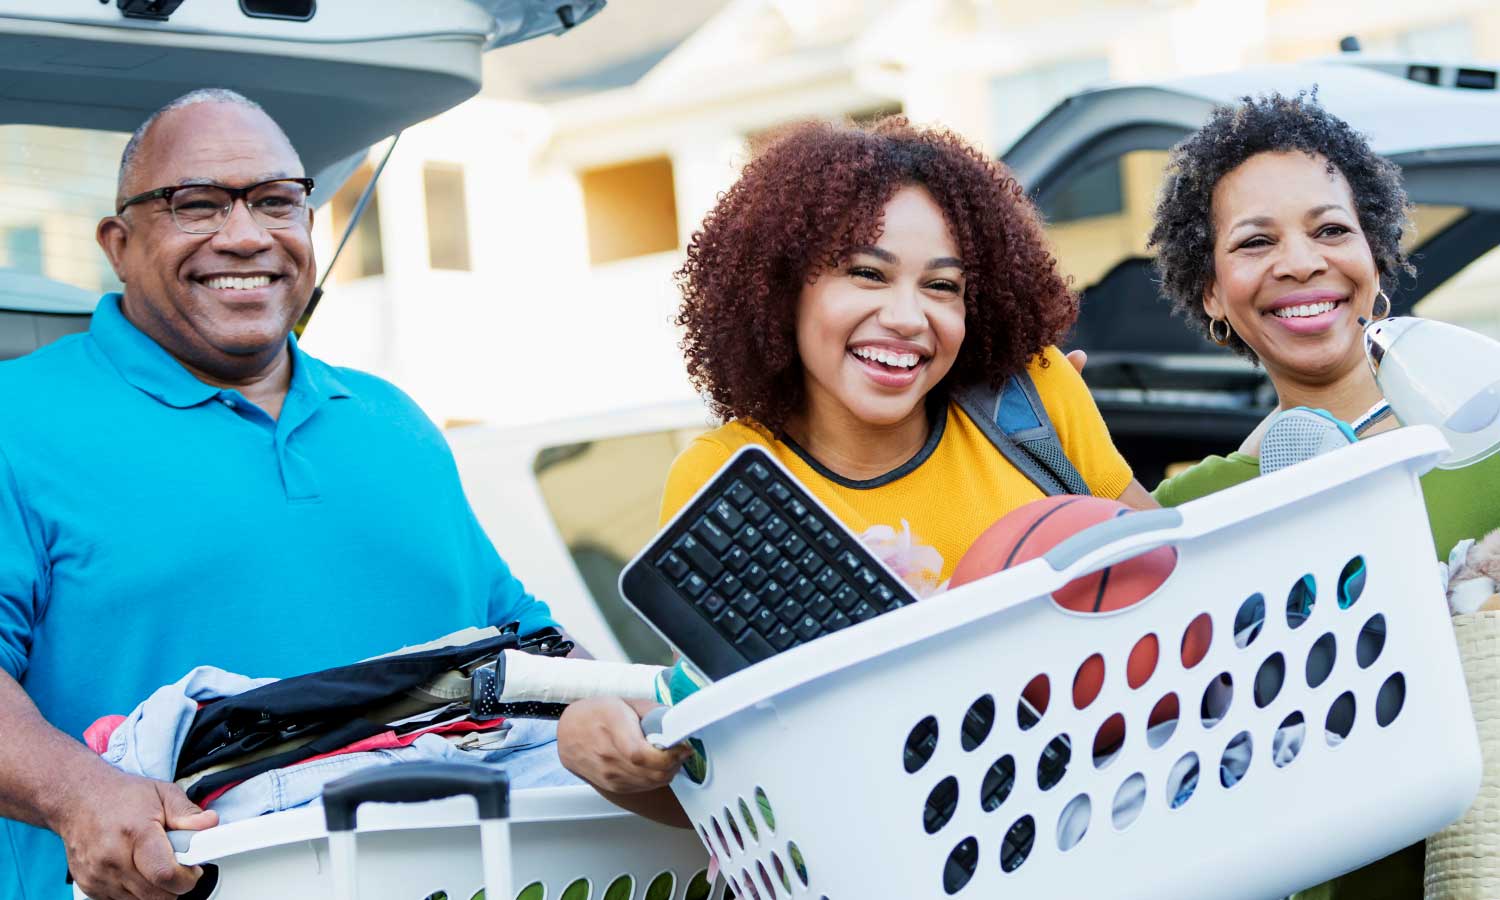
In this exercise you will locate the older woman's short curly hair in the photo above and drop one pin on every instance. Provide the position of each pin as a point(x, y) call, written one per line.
point(801, 204)
point(1183, 233)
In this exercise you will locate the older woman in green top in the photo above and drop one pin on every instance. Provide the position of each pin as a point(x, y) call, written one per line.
point(1277, 228)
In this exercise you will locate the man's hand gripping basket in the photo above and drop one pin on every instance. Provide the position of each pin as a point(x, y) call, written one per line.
point(1324, 725)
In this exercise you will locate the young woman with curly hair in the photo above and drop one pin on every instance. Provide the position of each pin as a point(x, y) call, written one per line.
point(1277, 228)
point(832, 300)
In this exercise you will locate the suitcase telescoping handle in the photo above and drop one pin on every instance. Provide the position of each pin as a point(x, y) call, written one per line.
point(418, 783)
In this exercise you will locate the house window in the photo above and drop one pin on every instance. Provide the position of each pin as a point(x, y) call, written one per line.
point(362, 256)
point(447, 217)
point(631, 210)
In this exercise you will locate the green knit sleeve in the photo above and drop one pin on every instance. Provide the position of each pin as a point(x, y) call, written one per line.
point(1214, 473)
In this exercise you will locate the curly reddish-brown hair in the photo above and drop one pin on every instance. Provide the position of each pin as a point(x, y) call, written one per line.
point(801, 204)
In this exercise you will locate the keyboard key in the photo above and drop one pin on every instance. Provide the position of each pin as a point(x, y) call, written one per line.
point(771, 593)
point(863, 612)
point(802, 588)
point(784, 571)
point(846, 598)
point(796, 508)
point(810, 562)
point(755, 576)
point(886, 596)
point(728, 585)
point(828, 580)
point(711, 603)
point(829, 541)
point(813, 526)
point(700, 556)
point(759, 472)
point(866, 578)
point(709, 532)
point(849, 561)
point(781, 637)
point(836, 620)
point(745, 602)
point(764, 621)
point(819, 605)
point(673, 565)
point(727, 515)
point(737, 559)
point(779, 492)
point(694, 585)
point(775, 527)
point(757, 510)
point(789, 611)
point(731, 623)
point(754, 647)
point(739, 495)
point(807, 628)
point(793, 546)
point(766, 555)
point(749, 537)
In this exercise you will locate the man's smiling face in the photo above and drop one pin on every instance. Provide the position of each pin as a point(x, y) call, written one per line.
point(223, 303)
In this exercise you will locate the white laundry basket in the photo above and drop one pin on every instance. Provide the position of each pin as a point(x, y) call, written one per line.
point(889, 760)
point(565, 843)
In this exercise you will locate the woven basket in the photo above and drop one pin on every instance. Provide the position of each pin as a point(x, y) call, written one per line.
point(1463, 860)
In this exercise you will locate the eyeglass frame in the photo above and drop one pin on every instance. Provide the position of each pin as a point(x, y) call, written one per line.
point(235, 195)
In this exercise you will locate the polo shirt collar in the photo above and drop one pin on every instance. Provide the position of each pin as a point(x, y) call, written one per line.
point(150, 368)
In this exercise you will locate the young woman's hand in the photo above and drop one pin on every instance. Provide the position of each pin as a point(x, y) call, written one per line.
point(600, 741)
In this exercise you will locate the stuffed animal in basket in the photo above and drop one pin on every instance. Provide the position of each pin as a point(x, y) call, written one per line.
point(1474, 585)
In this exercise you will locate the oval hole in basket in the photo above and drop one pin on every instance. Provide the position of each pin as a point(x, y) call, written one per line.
point(1017, 844)
point(1389, 701)
point(1249, 620)
point(942, 802)
point(765, 878)
point(749, 820)
point(1182, 780)
point(1216, 699)
point(734, 828)
point(963, 859)
point(534, 891)
point(1370, 642)
point(1269, 679)
point(1129, 801)
point(699, 887)
point(1320, 659)
point(1141, 664)
point(1300, 601)
point(763, 803)
point(1162, 722)
point(747, 884)
point(622, 888)
point(695, 767)
point(799, 865)
point(1286, 743)
point(1340, 719)
point(208, 884)
point(921, 743)
point(978, 721)
point(719, 833)
point(786, 880)
point(1236, 760)
point(661, 887)
point(580, 889)
point(998, 782)
point(1108, 740)
point(1033, 702)
point(1053, 764)
point(1088, 681)
point(1351, 582)
point(1196, 639)
point(1073, 823)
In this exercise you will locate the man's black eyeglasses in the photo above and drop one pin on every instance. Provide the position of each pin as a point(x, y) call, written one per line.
point(204, 208)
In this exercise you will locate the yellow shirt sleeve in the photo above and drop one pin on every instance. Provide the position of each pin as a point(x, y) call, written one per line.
point(691, 470)
point(1079, 426)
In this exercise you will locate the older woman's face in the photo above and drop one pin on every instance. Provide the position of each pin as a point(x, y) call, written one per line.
point(1292, 270)
point(881, 330)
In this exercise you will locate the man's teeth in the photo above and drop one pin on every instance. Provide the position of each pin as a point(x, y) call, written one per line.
point(1306, 309)
point(900, 360)
point(227, 283)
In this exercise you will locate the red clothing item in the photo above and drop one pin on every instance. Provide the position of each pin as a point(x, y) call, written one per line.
point(96, 736)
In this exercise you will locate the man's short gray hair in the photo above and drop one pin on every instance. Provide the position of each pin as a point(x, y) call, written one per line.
point(201, 95)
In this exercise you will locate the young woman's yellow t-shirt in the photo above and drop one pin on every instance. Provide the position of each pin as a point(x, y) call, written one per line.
point(935, 504)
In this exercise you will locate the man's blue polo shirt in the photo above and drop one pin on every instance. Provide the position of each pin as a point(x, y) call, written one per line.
point(150, 523)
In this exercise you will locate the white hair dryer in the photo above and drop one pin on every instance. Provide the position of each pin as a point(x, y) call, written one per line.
point(1433, 373)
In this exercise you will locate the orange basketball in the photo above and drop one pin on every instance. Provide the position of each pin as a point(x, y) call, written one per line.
point(1034, 529)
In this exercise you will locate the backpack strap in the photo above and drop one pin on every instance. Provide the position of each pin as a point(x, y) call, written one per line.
point(1016, 422)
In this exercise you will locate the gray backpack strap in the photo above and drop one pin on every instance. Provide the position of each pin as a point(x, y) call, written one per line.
point(1016, 422)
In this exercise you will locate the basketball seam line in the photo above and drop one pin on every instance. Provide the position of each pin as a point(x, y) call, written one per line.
point(1033, 527)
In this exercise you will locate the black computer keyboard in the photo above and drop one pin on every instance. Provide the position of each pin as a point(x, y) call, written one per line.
point(752, 566)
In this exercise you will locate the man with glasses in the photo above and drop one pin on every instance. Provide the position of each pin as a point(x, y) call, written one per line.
point(183, 486)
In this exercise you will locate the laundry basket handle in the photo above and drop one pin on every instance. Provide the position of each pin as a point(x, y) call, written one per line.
point(1094, 537)
point(415, 783)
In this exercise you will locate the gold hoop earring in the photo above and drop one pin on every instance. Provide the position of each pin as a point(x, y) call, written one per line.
point(1381, 315)
point(1214, 335)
